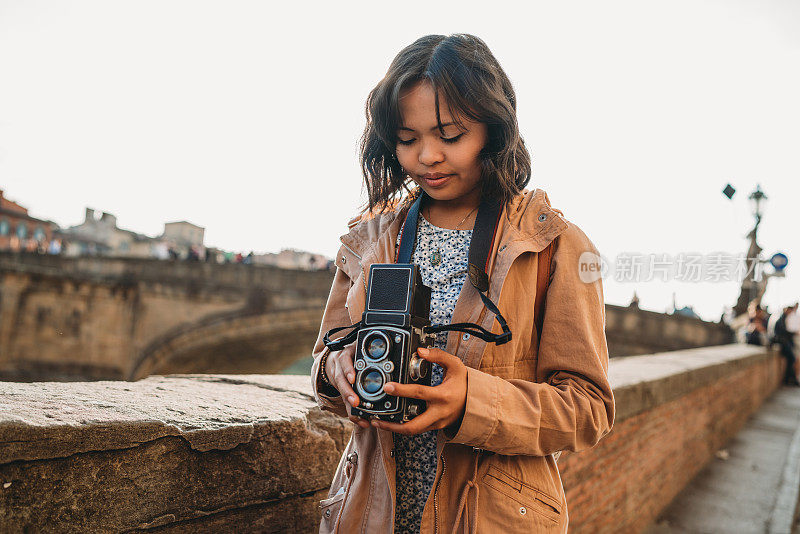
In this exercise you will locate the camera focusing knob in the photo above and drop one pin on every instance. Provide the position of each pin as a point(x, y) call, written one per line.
point(360, 365)
point(388, 367)
point(367, 405)
point(417, 367)
point(413, 410)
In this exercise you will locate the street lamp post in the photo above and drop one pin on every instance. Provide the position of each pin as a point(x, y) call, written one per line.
point(756, 198)
point(751, 286)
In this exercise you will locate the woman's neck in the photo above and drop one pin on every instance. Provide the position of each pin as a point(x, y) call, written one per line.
point(457, 213)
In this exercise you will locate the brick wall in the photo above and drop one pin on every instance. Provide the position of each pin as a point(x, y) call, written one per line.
point(673, 414)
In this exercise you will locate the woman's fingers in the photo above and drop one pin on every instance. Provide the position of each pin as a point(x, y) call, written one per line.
point(346, 361)
point(344, 377)
point(363, 423)
point(341, 383)
point(438, 356)
point(414, 391)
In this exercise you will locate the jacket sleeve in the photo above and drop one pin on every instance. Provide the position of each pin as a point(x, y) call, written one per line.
point(335, 315)
point(571, 405)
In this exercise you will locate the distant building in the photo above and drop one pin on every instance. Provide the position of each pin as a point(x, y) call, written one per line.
point(686, 311)
point(185, 239)
point(20, 231)
point(183, 233)
point(102, 236)
point(293, 259)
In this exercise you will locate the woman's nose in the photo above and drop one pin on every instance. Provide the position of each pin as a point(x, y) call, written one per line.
point(430, 154)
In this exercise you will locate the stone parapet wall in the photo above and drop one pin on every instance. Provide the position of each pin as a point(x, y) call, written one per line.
point(253, 453)
point(631, 330)
point(181, 453)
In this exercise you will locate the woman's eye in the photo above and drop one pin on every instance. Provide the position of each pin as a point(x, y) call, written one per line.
point(451, 139)
point(448, 140)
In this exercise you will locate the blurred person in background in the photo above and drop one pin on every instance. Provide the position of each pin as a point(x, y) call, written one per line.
point(785, 339)
point(757, 324)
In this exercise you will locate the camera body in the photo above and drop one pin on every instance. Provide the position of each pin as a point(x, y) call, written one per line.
point(396, 312)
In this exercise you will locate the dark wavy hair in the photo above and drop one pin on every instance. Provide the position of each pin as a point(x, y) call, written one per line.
point(474, 85)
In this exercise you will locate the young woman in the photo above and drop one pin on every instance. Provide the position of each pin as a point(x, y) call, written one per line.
point(482, 457)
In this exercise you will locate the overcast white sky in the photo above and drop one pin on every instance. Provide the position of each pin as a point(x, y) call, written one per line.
point(243, 117)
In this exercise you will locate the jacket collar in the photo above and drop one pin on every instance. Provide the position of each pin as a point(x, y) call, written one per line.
point(528, 219)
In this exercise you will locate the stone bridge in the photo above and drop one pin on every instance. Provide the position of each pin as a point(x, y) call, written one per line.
point(93, 318)
point(123, 319)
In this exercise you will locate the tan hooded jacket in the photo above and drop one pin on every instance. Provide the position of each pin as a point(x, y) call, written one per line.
point(526, 400)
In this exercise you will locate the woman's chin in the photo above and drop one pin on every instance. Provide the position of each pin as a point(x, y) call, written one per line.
point(445, 192)
point(448, 192)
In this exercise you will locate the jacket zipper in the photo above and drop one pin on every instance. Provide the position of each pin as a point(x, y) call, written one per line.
point(436, 496)
point(351, 251)
point(352, 460)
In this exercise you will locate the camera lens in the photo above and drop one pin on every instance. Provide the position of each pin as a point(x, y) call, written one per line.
point(376, 346)
point(372, 381)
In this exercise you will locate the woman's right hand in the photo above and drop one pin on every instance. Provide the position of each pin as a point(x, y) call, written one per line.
point(339, 370)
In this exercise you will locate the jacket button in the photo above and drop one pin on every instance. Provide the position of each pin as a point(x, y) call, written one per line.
point(522, 510)
point(344, 260)
point(328, 513)
point(465, 337)
point(542, 217)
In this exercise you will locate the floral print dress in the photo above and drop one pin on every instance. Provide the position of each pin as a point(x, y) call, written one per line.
point(442, 256)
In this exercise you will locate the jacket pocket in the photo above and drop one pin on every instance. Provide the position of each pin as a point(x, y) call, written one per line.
point(331, 508)
point(510, 502)
point(330, 511)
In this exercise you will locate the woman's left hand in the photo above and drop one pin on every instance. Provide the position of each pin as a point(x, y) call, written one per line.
point(445, 402)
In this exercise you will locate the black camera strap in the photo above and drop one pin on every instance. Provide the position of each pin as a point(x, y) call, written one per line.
point(483, 235)
point(343, 341)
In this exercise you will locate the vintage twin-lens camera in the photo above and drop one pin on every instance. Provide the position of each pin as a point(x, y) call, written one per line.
point(396, 312)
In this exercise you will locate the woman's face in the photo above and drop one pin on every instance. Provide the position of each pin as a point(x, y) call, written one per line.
point(446, 166)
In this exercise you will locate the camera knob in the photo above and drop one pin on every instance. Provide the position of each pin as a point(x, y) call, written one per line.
point(417, 367)
point(388, 367)
point(360, 365)
point(413, 410)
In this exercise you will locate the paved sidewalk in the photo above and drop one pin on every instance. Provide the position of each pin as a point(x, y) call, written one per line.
point(751, 486)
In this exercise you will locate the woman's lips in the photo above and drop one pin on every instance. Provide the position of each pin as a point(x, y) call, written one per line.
point(436, 180)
